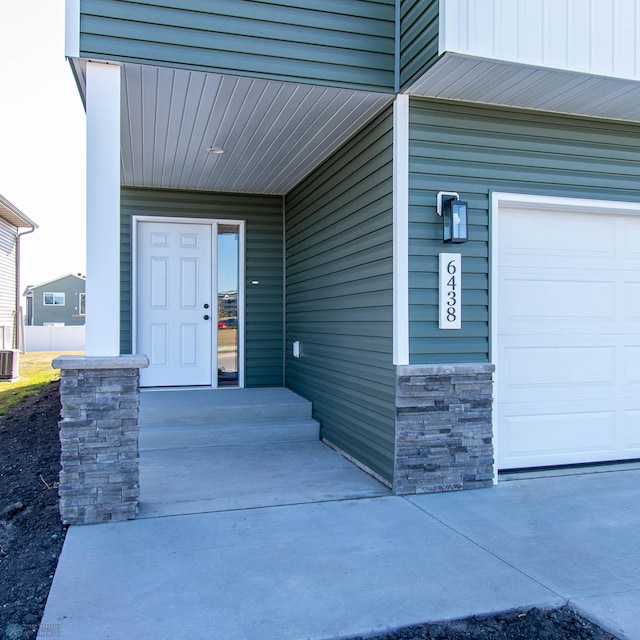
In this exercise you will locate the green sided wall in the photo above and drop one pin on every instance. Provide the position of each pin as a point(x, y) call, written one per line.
point(264, 262)
point(419, 38)
point(475, 150)
point(339, 256)
point(340, 43)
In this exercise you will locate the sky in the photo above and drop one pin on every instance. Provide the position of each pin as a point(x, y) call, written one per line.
point(42, 138)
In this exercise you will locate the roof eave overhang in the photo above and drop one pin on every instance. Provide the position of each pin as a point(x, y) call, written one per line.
point(510, 84)
point(14, 216)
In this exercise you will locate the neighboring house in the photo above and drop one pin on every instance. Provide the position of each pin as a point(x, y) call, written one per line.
point(12, 222)
point(228, 304)
point(316, 136)
point(59, 302)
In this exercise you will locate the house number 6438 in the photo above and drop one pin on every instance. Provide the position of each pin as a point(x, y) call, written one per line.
point(450, 291)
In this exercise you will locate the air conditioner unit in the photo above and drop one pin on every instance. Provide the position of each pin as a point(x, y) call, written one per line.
point(9, 363)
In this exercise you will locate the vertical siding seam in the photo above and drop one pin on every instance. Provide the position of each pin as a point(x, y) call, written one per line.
point(397, 49)
point(284, 289)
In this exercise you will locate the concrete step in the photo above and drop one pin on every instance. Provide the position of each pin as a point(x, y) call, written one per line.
point(246, 432)
point(215, 406)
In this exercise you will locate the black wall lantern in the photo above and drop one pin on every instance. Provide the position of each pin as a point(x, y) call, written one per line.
point(454, 217)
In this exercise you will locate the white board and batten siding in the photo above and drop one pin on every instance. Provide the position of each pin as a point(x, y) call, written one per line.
point(568, 335)
point(7, 283)
point(590, 36)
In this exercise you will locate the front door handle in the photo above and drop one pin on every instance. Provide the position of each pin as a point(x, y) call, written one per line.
point(206, 317)
point(206, 306)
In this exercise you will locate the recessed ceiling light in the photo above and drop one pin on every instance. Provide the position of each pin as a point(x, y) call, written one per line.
point(216, 150)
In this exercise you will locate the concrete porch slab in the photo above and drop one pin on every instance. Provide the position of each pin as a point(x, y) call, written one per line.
point(193, 406)
point(619, 613)
point(333, 570)
point(578, 535)
point(314, 571)
point(204, 479)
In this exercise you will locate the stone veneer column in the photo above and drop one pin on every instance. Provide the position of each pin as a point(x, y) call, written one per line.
point(99, 481)
point(443, 428)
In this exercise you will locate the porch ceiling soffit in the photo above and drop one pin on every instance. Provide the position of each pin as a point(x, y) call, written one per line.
point(457, 77)
point(273, 133)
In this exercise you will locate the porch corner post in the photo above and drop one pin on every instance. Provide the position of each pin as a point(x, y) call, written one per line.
point(401, 230)
point(103, 210)
point(100, 479)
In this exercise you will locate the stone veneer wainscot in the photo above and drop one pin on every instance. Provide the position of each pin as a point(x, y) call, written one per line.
point(443, 428)
point(99, 480)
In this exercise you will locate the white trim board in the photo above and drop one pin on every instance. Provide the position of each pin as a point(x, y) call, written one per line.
point(103, 210)
point(401, 230)
point(502, 199)
point(72, 28)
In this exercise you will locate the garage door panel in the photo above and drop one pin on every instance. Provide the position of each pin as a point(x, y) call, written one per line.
point(632, 302)
point(568, 358)
point(559, 366)
point(548, 299)
point(526, 232)
point(632, 238)
point(632, 365)
point(551, 436)
point(631, 439)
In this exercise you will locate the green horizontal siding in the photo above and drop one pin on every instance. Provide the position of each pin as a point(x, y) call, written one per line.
point(339, 239)
point(264, 330)
point(347, 44)
point(419, 38)
point(475, 150)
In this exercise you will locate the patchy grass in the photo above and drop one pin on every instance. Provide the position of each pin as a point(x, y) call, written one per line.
point(35, 372)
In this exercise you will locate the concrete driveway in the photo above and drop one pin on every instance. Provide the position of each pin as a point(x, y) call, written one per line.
point(338, 568)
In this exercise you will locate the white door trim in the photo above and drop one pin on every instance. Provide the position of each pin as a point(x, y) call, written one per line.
point(501, 199)
point(212, 223)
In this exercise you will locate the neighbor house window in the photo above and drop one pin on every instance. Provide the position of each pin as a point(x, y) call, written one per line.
point(53, 298)
point(81, 303)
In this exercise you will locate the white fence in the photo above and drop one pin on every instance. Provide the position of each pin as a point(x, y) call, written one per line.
point(54, 338)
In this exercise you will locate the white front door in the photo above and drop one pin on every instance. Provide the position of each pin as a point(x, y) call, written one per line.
point(568, 367)
point(175, 307)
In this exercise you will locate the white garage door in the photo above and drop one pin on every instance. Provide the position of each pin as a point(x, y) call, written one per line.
point(568, 359)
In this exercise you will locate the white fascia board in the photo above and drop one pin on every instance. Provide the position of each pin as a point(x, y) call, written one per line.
point(72, 28)
point(103, 210)
point(401, 230)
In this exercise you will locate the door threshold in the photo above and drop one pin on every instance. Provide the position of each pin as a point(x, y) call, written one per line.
point(193, 388)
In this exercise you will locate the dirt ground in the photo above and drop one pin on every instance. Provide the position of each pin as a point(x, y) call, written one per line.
point(31, 533)
point(534, 624)
point(31, 537)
